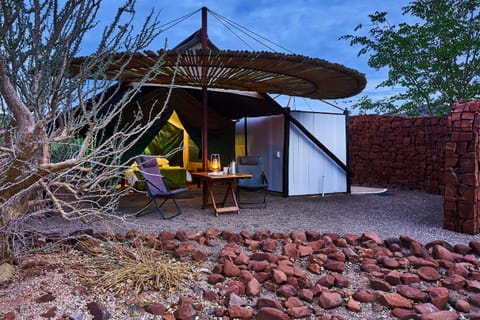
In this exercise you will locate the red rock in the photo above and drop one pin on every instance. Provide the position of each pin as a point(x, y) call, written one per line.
point(442, 253)
point(379, 284)
point(327, 281)
point(371, 236)
point(194, 235)
point(340, 280)
point(462, 249)
point(299, 312)
point(245, 234)
point(337, 255)
point(258, 266)
point(335, 266)
point(393, 277)
point(428, 273)
point(454, 282)
point(287, 291)
point(352, 239)
point(253, 287)
point(422, 262)
point(291, 251)
point(351, 255)
point(98, 311)
point(285, 268)
point(415, 247)
point(390, 263)
point(298, 236)
point(215, 278)
point(412, 293)
point(269, 245)
point(262, 276)
point(230, 269)
point(267, 313)
point(9, 315)
point(365, 296)
point(475, 245)
point(329, 300)
point(199, 255)
point(353, 305)
point(259, 256)
point(264, 302)
point(304, 251)
point(306, 294)
point(316, 245)
point(401, 313)
point(239, 312)
point(278, 276)
point(235, 286)
point(157, 309)
point(212, 233)
point(394, 300)
point(441, 315)
point(293, 302)
point(369, 267)
point(209, 295)
point(473, 286)
point(409, 278)
point(48, 297)
point(312, 235)
point(253, 245)
point(438, 296)
point(425, 308)
point(474, 298)
point(462, 306)
point(50, 313)
point(241, 259)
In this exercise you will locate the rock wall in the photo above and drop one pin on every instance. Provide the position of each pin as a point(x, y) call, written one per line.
point(462, 192)
point(398, 152)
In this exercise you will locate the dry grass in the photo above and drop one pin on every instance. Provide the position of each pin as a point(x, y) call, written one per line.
point(134, 270)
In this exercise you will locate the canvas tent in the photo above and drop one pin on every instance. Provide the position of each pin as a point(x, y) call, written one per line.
point(235, 84)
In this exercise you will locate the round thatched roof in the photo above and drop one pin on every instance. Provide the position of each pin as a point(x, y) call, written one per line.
point(265, 72)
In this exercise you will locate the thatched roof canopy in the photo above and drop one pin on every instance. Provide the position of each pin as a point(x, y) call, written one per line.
point(265, 72)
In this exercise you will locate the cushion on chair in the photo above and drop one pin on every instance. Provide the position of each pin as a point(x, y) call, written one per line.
point(148, 162)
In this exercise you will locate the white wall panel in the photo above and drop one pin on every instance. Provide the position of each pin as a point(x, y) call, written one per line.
point(311, 171)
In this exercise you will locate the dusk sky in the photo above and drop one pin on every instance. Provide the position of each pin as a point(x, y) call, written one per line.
point(306, 27)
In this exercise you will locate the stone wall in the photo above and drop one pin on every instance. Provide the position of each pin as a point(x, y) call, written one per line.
point(398, 152)
point(462, 192)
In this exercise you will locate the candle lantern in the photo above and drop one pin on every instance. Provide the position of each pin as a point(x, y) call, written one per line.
point(215, 162)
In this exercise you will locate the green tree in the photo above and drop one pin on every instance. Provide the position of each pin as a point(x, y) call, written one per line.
point(435, 59)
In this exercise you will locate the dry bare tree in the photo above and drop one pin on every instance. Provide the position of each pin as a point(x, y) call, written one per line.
point(55, 154)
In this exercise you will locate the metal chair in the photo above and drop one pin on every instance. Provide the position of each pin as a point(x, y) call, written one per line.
point(156, 186)
point(253, 165)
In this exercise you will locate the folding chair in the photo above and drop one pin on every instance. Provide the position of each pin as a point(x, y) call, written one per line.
point(156, 186)
point(255, 166)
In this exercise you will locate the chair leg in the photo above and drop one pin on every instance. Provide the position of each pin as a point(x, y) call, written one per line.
point(246, 205)
point(158, 207)
point(141, 212)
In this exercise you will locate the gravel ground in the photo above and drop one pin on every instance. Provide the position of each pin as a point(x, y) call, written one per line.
point(391, 214)
point(417, 215)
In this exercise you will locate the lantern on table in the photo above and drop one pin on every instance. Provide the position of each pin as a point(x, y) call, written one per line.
point(215, 162)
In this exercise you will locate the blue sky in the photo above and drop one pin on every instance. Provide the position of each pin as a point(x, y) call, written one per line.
point(306, 27)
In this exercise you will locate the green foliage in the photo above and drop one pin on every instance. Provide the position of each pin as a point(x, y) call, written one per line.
point(435, 58)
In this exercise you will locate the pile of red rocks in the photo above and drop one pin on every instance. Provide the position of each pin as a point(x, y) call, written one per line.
point(265, 275)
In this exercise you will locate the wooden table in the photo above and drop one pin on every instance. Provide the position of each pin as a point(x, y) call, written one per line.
point(209, 181)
